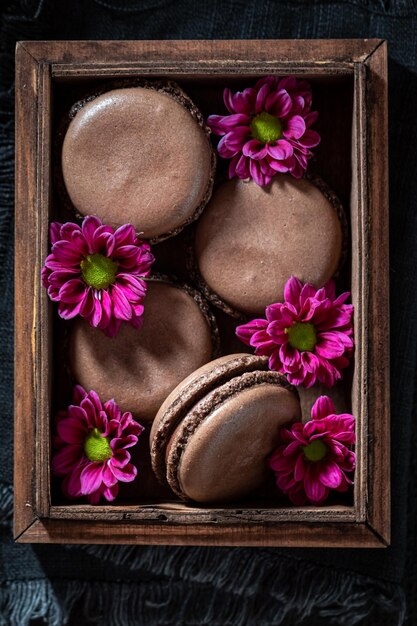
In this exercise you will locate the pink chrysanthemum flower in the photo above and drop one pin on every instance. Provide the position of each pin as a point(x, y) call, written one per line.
point(90, 447)
point(308, 338)
point(269, 129)
point(314, 458)
point(97, 272)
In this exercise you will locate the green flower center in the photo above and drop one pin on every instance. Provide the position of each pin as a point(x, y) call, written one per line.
point(315, 451)
point(98, 271)
point(97, 447)
point(266, 127)
point(302, 336)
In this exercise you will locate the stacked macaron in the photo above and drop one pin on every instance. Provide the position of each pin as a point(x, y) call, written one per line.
point(139, 153)
point(212, 434)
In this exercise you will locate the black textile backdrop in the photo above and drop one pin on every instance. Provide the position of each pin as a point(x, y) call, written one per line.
point(219, 586)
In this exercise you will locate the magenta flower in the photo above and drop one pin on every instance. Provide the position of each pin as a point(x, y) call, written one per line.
point(97, 272)
point(315, 458)
point(269, 129)
point(308, 338)
point(90, 447)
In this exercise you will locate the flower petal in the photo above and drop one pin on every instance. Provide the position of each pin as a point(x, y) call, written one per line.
point(292, 291)
point(120, 443)
point(65, 253)
point(261, 98)
point(322, 407)
point(71, 485)
point(73, 291)
point(242, 168)
point(274, 362)
point(120, 458)
point(255, 149)
point(124, 236)
point(91, 478)
point(295, 127)
point(310, 139)
point(245, 332)
point(279, 103)
point(315, 491)
point(280, 150)
point(55, 232)
point(329, 346)
point(89, 226)
point(110, 493)
point(68, 310)
point(330, 475)
point(121, 306)
point(125, 474)
point(300, 467)
point(64, 460)
point(109, 479)
point(72, 430)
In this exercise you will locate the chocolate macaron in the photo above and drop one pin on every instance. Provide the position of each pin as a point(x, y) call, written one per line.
point(250, 240)
point(139, 368)
point(139, 154)
point(211, 437)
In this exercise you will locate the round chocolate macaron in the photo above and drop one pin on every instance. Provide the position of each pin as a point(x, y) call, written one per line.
point(250, 240)
point(212, 435)
point(139, 368)
point(140, 155)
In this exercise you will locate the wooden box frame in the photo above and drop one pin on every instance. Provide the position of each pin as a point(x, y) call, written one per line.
point(367, 523)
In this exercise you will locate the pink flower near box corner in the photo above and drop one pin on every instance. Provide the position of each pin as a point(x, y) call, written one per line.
point(98, 273)
point(91, 447)
point(268, 129)
point(308, 337)
point(315, 457)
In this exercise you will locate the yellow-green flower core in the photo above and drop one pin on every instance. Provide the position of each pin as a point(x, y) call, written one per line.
point(315, 451)
point(302, 336)
point(266, 127)
point(98, 271)
point(97, 447)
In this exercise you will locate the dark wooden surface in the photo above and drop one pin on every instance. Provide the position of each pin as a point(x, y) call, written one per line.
point(378, 388)
point(329, 535)
point(27, 269)
point(46, 68)
point(173, 511)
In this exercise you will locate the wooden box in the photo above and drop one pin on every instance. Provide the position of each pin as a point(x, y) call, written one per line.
point(349, 79)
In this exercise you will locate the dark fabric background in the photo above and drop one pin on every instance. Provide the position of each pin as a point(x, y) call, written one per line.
point(170, 585)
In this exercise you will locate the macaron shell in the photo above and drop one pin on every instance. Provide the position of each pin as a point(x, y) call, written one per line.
point(250, 240)
point(136, 155)
point(225, 458)
point(190, 391)
point(139, 368)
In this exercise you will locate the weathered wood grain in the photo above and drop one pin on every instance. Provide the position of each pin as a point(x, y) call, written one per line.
point(232, 53)
point(359, 285)
point(181, 513)
point(44, 362)
point(27, 268)
point(378, 390)
point(260, 535)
